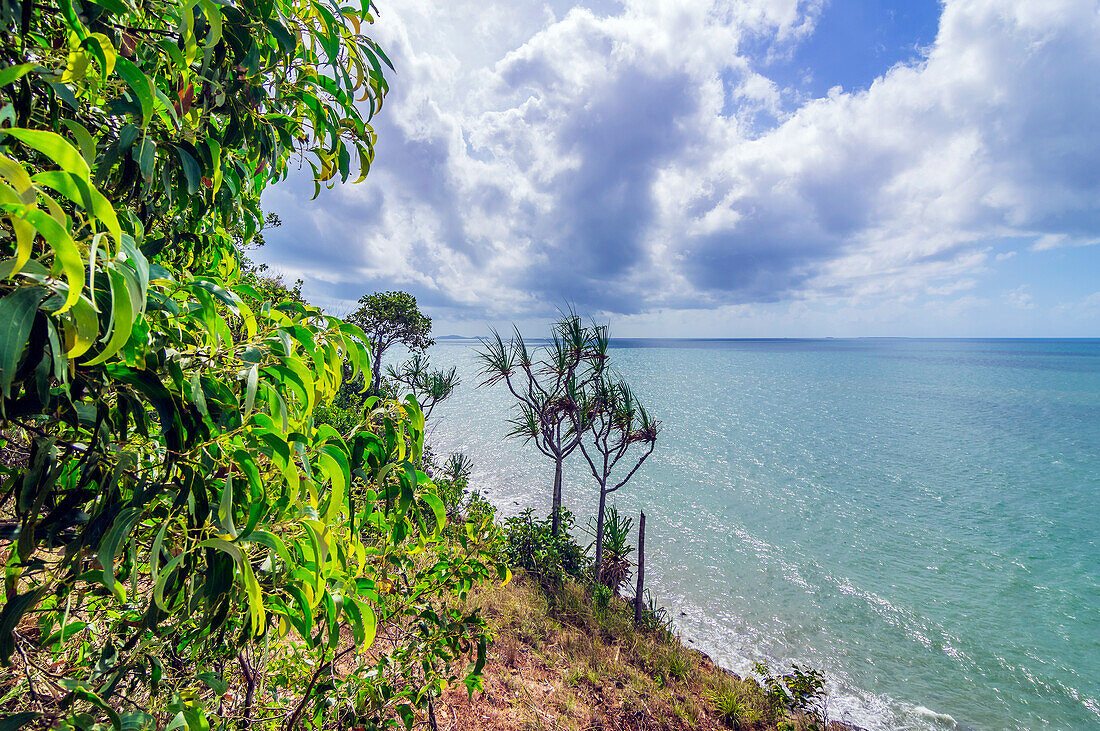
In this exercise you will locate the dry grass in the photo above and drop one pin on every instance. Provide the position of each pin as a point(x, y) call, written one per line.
point(560, 663)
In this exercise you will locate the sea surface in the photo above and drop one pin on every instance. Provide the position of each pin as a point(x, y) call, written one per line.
point(920, 519)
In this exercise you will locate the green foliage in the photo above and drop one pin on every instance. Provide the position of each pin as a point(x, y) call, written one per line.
point(532, 545)
point(728, 699)
point(601, 596)
point(800, 691)
point(615, 564)
point(655, 617)
point(452, 485)
point(478, 509)
point(451, 482)
point(429, 386)
point(187, 546)
point(342, 419)
point(678, 664)
point(389, 318)
point(547, 383)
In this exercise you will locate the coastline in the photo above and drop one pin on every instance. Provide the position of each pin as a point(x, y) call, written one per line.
point(560, 662)
point(853, 708)
point(867, 510)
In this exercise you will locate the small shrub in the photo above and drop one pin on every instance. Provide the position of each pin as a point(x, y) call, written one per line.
point(738, 703)
point(530, 545)
point(800, 691)
point(686, 712)
point(451, 482)
point(344, 419)
point(616, 547)
point(679, 663)
point(654, 617)
point(453, 487)
point(601, 597)
point(726, 699)
point(478, 509)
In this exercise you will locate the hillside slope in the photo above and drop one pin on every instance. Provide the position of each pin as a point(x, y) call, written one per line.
point(561, 662)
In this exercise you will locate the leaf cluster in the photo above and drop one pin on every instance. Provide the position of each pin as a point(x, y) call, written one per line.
point(616, 548)
point(531, 544)
point(185, 545)
point(800, 691)
point(547, 381)
point(613, 420)
point(430, 386)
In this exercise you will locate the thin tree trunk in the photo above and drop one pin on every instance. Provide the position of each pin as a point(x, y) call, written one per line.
point(599, 535)
point(641, 572)
point(376, 372)
point(250, 683)
point(555, 524)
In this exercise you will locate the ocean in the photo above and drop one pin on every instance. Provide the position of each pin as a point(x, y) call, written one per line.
point(919, 519)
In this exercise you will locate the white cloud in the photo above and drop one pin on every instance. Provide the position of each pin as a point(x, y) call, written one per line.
point(614, 156)
point(1020, 298)
point(1061, 241)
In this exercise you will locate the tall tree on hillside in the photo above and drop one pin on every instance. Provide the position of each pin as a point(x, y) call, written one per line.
point(612, 421)
point(389, 318)
point(547, 384)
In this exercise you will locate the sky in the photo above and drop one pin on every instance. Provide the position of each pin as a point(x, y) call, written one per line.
point(738, 168)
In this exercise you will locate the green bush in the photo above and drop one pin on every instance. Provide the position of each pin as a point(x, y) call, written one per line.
point(478, 509)
point(453, 488)
point(452, 480)
point(654, 617)
point(801, 691)
point(616, 547)
point(531, 545)
point(601, 597)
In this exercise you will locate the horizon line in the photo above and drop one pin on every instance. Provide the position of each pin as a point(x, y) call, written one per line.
point(823, 337)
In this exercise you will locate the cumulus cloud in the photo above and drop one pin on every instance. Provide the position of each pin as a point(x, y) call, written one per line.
point(1020, 298)
point(635, 157)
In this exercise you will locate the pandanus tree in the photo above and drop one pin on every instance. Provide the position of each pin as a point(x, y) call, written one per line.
point(617, 437)
point(430, 386)
point(547, 383)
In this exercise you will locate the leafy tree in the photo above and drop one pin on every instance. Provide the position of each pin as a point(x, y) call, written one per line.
point(175, 521)
point(389, 318)
point(612, 422)
point(547, 384)
point(452, 481)
point(429, 386)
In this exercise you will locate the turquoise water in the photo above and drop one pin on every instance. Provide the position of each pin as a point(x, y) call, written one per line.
point(920, 519)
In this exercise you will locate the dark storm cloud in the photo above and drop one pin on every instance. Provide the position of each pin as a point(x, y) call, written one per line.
point(604, 207)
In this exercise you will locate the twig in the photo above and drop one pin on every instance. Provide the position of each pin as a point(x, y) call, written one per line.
point(250, 679)
point(293, 722)
point(26, 670)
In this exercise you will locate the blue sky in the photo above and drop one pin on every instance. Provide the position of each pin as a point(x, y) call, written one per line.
point(853, 43)
point(725, 168)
